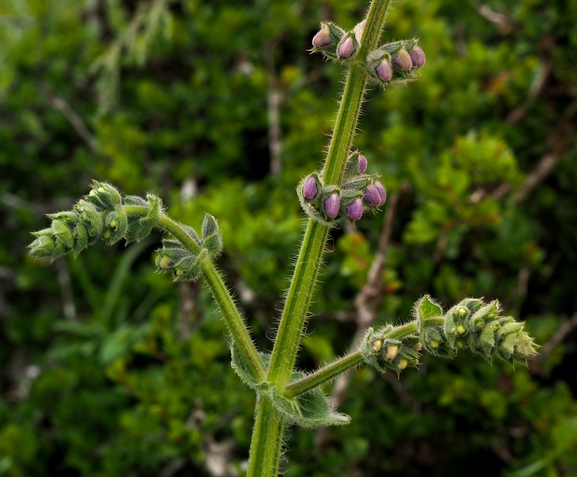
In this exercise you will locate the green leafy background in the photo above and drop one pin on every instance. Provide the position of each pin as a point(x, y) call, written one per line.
point(109, 369)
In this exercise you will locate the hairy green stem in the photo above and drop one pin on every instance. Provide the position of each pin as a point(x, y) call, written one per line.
point(266, 443)
point(268, 430)
point(226, 305)
point(296, 307)
point(324, 374)
point(236, 325)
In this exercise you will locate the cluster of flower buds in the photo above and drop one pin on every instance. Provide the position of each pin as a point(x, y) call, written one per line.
point(396, 62)
point(358, 192)
point(100, 214)
point(473, 325)
point(182, 263)
point(336, 43)
point(106, 214)
point(383, 352)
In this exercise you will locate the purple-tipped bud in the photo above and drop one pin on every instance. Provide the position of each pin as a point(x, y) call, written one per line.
point(372, 196)
point(418, 57)
point(347, 48)
point(403, 60)
point(355, 209)
point(310, 189)
point(332, 205)
point(382, 192)
point(322, 38)
point(362, 164)
point(384, 71)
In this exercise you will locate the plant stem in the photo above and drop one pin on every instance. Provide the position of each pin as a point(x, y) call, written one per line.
point(266, 443)
point(296, 307)
point(236, 325)
point(232, 317)
point(324, 374)
point(269, 424)
point(306, 271)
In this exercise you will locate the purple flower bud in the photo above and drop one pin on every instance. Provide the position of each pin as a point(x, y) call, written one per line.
point(372, 196)
point(355, 209)
point(310, 189)
point(332, 205)
point(384, 71)
point(403, 60)
point(322, 38)
point(418, 57)
point(362, 164)
point(347, 48)
point(382, 192)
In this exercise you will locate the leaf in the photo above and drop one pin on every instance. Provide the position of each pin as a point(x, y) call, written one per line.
point(308, 410)
point(427, 308)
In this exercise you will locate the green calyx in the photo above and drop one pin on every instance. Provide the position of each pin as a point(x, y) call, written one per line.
point(391, 348)
point(102, 214)
point(473, 325)
point(185, 265)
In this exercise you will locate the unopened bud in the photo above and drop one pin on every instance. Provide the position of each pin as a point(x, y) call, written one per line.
point(162, 261)
point(402, 363)
point(310, 189)
point(403, 60)
point(372, 196)
point(384, 70)
point(460, 329)
point(418, 57)
point(362, 164)
point(322, 39)
point(347, 48)
point(332, 205)
point(391, 351)
point(355, 209)
point(377, 345)
point(382, 192)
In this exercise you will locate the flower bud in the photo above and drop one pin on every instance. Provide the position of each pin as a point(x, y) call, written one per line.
point(391, 351)
point(162, 261)
point(382, 192)
point(332, 205)
point(372, 196)
point(355, 209)
point(362, 164)
point(403, 60)
point(322, 39)
point(384, 70)
point(402, 363)
point(63, 233)
point(377, 345)
point(418, 56)
point(310, 189)
point(347, 48)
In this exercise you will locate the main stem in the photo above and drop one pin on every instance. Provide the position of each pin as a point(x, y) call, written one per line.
point(269, 424)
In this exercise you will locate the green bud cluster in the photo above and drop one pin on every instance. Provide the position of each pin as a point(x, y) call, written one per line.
point(331, 204)
point(470, 325)
point(383, 351)
point(99, 215)
point(473, 325)
point(173, 257)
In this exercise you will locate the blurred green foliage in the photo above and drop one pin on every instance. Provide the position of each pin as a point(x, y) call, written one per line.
point(108, 369)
